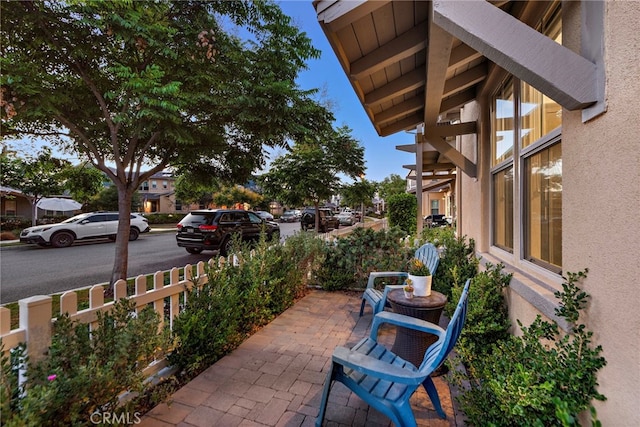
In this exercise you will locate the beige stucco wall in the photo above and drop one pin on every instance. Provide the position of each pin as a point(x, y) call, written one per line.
point(601, 214)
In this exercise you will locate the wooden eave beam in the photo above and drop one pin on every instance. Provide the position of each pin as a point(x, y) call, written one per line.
point(458, 159)
point(407, 123)
point(338, 14)
point(438, 54)
point(409, 106)
point(403, 84)
point(462, 55)
point(444, 131)
point(457, 100)
point(403, 46)
point(561, 74)
point(465, 80)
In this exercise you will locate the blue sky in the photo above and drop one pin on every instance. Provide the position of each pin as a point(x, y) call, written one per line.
point(382, 158)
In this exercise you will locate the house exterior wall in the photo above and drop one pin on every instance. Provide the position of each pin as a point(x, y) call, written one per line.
point(600, 213)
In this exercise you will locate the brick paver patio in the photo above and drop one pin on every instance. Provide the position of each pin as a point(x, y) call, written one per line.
point(275, 377)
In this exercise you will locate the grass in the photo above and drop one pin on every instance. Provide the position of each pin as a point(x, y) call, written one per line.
point(83, 298)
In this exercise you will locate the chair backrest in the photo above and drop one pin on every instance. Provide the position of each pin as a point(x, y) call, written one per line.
point(429, 255)
point(435, 355)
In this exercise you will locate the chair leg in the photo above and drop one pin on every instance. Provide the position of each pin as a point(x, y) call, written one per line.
point(325, 394)
point(433, 395)
point(362, 306)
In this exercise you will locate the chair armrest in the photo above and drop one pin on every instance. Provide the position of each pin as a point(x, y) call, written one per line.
point(371, 366)
point(405, 322)
point(377, 274)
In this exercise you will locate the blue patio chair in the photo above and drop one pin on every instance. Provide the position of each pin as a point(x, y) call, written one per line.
point(384, 380)
point(377, 298)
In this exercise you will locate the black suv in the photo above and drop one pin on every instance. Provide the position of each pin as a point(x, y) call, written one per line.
point(434, 221)
point(213, 229)
point(328, 220)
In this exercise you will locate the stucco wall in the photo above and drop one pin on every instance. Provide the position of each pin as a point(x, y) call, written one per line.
point(601, 213)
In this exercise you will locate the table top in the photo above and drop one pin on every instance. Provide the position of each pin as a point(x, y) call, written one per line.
point(435, 300)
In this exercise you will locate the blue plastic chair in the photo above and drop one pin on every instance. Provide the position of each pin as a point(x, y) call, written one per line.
point(377, 298)
point(386, 381)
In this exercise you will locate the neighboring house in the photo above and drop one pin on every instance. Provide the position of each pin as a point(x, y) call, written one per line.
point(437, 193)
point(13, 203)
point(534, 105)
point(157, 194)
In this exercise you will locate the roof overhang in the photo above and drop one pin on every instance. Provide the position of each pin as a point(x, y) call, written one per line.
point(414, 64)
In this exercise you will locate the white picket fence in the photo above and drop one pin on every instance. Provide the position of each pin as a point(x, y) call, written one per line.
point(35, 327)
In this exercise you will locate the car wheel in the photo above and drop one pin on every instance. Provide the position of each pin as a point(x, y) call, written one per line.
point(133, 234)
point(226, 246)
point(194, 251)
point(62, 239)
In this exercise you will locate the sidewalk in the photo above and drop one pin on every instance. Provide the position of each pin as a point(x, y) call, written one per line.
point(275, 378)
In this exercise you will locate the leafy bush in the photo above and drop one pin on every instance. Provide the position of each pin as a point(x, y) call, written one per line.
point(85, 372)
point(457, 263)
point(402, 209)
point(164, 218)
point(487, 319)
point(240, 297)
point(351, 258)
point(543, 378)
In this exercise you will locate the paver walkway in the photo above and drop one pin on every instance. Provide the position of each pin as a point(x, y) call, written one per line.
point(275, 377)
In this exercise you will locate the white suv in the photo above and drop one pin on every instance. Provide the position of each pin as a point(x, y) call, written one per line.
point(84, 226)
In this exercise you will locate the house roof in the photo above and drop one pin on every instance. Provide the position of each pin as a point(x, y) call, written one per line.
point(414, 64)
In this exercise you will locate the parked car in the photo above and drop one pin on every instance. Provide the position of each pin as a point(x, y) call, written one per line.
point(289, 216)
point(434, 221)
point(90, 225)
point(346, 218)
point(265, 215)
point(328, 220)
point(214, 229)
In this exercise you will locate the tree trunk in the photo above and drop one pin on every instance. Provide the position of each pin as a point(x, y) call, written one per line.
point(316, 204)
point(121, 260)
point(34, 212)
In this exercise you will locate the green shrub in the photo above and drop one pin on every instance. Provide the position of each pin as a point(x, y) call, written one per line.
point(240, 297)
point(543, 378)
point(458, 263)
point(401, 211)
point(487, 319)
point(164, 218)
point(351, 258)
point(85, 372)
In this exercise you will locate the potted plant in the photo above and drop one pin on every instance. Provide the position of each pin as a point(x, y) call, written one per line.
point(420, 277)
point(408, 289)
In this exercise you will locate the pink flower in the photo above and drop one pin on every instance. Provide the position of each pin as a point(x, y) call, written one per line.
point(52, 377)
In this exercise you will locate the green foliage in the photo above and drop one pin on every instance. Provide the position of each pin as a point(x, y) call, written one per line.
point(360, 192)
point(86, 371)
point(415, 267)
point(351, 258)
point(156, 84)
point(308, 174)
point(238, 299)
point(402, 210)
point(83, 182)
point(163, 218)
point(487, 314)
point(457, 263)
point(393, 184)
point(107, 200)
point(546, 377)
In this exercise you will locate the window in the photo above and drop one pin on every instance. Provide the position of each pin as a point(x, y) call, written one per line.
point(154, 184)
point(165, 184)
point(178, 205)
point(144, 186)
point(10, 208)
point(526, 162)
point(543, 207)
point(503, 209)
point(435, 207)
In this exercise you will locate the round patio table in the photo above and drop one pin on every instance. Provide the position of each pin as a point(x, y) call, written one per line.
point(411, 344)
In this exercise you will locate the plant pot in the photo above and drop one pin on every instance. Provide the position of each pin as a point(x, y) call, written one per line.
point(408, 294)
point(421, 285)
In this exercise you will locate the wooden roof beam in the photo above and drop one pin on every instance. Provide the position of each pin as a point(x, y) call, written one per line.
point(403, 46)
point(403, 84)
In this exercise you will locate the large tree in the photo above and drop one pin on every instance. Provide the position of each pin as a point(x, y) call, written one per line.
point(141, 85)
point(393, 184)
point(309, 172)
point(359, 193)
